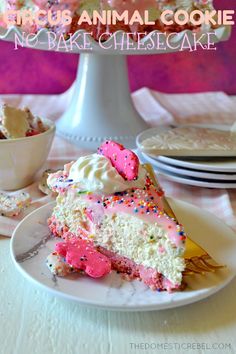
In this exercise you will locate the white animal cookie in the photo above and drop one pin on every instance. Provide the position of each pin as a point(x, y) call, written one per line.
point(14, 122)
point(58, 265)
point(12, 205)
point(43, 186)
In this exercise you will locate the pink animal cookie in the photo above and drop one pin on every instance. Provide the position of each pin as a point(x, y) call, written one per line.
point(81, 255)
point(125, 161)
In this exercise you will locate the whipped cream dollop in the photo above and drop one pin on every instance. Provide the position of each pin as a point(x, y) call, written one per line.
point(95, 173)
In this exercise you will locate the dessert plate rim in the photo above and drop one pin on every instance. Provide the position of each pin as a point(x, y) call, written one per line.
point(196, 165)
point(187, 173)
point(201, 182)
point(182, 151)
point(187, 179)
point(104, 293)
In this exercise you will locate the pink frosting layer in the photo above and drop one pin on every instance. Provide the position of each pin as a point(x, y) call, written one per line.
point(145, 204)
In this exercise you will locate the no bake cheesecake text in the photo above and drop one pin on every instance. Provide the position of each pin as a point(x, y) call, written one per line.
point(119, 41)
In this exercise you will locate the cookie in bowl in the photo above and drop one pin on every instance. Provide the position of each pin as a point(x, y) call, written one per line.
point(25, 142)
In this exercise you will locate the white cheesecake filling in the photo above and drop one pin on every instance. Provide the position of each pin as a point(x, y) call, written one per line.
point(145, 243)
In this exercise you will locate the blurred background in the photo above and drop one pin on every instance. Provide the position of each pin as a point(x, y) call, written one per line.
point(32, 71)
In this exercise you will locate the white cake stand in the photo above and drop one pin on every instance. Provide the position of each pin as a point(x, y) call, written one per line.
point(101, 107)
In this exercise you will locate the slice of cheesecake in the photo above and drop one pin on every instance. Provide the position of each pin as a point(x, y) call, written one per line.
point(110, 199)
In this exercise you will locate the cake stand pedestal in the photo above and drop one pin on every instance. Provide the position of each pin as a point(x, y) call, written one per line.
point(101, 107)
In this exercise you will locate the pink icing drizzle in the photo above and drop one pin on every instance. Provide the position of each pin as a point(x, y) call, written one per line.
point(145, 204)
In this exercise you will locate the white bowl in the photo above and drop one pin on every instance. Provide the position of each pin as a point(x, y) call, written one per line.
point(21, 159)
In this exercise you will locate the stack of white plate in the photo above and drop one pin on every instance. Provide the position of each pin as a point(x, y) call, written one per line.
point(168, 150)
point(210, 173)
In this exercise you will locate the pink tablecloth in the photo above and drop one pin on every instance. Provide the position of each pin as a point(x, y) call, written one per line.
point(155, 108)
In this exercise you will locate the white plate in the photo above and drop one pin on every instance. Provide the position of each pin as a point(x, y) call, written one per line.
point(166, 141)
point(189, 172)
point(195, 182)
point(224, 164)
point(216, 165)
point(191, 181)
point(112, 292)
